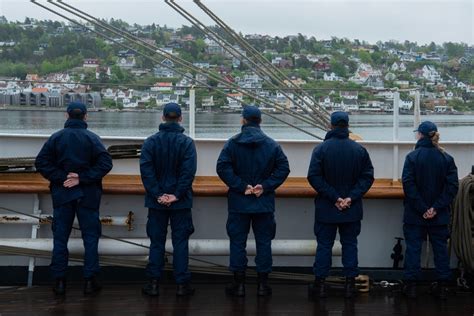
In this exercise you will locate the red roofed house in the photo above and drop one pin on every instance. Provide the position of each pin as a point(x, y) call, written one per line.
point(90, 63)
point(39, 90)
point(162, 86)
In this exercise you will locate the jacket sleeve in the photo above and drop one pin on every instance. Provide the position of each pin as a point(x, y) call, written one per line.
point(46, 165)
point(366, 178)
point(102, 164)
point(409, 187)
point(225, 170)
point(450, 187)
point(148, 172)
point(316, 177)
point(187, 171)
point(280, 172)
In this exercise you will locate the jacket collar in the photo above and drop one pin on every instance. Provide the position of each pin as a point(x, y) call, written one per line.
point(75, 123)
point(250, 125)
point(251, 134)
point(171, 127)
point(338, 132)
point(424, 142)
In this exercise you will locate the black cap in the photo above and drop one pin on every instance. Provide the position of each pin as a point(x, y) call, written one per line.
point(76, 108)
point(171, 110)
point(426, 128)
point(251, 113)
point(338, 117)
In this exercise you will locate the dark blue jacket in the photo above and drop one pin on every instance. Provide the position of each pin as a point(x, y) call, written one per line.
point(74, 149)
point(430, 179)
point(339, 168)
point(167, 166)
point(252, 158)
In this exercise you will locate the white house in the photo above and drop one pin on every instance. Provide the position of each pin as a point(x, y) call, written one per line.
point(394, 67)
point(405, 104)
point(398, 67)
point(201, 78)
point(331, 77)
point(408, 58)
point(186, 81)
point(109, 94)
point(349, 95)
point(386, 94)
point(326, 102)
point(350, 105)
point(129, 103)
point(234, 101)
point(202, 65)
point(430, 73)
point(461, 85)
point(208, 102)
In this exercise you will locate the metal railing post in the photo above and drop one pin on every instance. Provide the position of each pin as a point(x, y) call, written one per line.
point(416, 110)
point(34, 235)
point(192, 113)
point(396, 106)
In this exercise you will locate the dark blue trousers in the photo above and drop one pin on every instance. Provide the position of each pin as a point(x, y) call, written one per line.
point(414, 237)
point(181, 228)
point(325, 236)
point(89, 223)
point(238, 228)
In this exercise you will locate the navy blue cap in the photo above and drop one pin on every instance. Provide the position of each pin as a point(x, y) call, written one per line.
point(171, 110)
point(426, 128)
point(76, 107)
point(251, 113)
point(337, 117)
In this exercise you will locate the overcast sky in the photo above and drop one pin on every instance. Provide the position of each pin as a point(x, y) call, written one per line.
point(422, 21)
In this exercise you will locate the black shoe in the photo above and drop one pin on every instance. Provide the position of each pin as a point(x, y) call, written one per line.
point(409, 289)
point(350, 288)
point(91, 286)
point(184, 290)
point(263, 288)
point(151, 288)
point(237, 287)
point(318, 288)
point(440, 290)
point(60, 286)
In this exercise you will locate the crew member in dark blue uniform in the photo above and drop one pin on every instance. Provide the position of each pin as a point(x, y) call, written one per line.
point(341, 172)
point(75, 161)
point(252, 165)
point(430, 183)
point(168, 166)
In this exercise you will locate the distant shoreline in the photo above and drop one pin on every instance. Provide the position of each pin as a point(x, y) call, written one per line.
point(48, 109)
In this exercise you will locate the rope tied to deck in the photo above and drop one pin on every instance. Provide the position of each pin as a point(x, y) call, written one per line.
point(462, 222)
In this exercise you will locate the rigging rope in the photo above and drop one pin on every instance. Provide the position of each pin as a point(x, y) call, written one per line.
point(154, 49)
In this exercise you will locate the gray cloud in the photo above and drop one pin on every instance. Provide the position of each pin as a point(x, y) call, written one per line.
point(418, 20)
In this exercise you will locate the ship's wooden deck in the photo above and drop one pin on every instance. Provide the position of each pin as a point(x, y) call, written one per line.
point(287, 299)
point(202, 186)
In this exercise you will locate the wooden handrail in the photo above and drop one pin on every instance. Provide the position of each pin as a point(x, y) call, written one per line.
point(203, 186)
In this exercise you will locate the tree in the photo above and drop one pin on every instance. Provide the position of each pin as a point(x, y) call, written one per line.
point(303, 62)
point(454, 50)
point(365, 57)
point(338, 68)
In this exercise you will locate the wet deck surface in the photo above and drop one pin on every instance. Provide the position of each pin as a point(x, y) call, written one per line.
point(211, 300)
